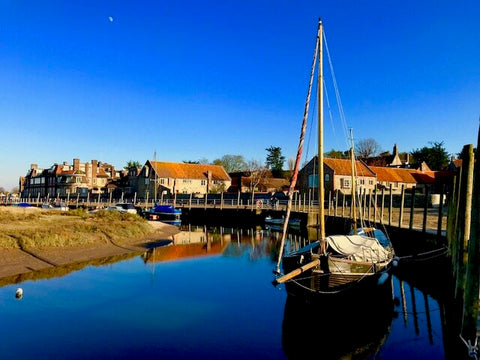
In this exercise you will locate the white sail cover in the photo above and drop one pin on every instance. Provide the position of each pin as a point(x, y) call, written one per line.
point(359, 248)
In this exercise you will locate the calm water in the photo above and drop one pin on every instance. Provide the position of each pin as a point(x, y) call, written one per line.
point(198, 302)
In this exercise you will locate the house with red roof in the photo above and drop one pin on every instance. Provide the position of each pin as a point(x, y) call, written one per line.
point(158, 178)
point(338, 176)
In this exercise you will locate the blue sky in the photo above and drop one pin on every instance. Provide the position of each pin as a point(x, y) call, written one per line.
point(201, 79)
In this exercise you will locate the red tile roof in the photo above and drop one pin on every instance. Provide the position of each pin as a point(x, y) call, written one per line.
point(344, 167)
point(394, 174)
point(412, 176)
point(188, 171)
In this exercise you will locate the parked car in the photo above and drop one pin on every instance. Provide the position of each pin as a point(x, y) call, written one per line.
point(61, 206)
point(115, 208)
point(127, 207)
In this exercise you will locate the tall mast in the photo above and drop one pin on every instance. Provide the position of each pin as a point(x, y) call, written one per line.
point(155, 167)
point(321, 185)
point(299, 150)
point(352, 158)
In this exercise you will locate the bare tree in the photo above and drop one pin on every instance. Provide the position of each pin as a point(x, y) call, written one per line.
point(231, 163)
point(258, 173)
point(367, 147)
point(291, 163)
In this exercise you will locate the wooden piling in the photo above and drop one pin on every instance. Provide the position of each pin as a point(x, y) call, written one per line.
point(464, 219)
point(383, 203)
point(471, 295)
point(364, 205)
point(425, 209)
point(452, 211)
point(369, 203)
point(402, 200)
point(412, 209)
point(440, 211)
point(336, 204)
point(329, 202)
point(390, 207)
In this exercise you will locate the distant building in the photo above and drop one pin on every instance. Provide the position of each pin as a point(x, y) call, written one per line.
point(338, 176)
point(180, 178)
point(63, 180)
point(394, 177)
point(258, 181)
point(396, 159)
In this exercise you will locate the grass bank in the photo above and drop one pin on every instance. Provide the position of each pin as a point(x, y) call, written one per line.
point(34, 228)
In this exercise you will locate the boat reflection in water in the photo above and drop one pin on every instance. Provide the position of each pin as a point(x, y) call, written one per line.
point(338, 327)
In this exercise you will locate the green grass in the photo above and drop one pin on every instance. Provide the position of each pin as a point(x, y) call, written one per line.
point(35, 228)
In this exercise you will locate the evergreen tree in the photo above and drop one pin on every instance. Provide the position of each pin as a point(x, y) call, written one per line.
point(436, 157)
point(275, 160)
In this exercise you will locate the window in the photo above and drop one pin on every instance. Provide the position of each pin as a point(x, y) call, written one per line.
point(370, 182)
point(204, 182)
point(162, 181)
point(362, 181)
point(345, 183)
point(327, 177)
point(147, 181)
point(312, 181)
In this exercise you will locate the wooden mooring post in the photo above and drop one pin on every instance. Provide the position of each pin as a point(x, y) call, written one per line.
point(471, 304)
point(464, 210)
point(402, 199)
point(463, 235)
point(412, 209)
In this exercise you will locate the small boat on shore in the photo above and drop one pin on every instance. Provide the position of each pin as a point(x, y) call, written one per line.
point(163, 212)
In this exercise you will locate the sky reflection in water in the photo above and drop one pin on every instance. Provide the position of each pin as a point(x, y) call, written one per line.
point(216, 307)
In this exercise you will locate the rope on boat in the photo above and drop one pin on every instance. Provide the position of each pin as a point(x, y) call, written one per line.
point(435, 254)
point(472, 348)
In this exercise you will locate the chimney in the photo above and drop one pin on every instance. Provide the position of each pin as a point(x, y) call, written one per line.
point(76, 164)
point(94, 169)
point(113, 171)
point(33, 168)
point(407, 160)
point(395, 150)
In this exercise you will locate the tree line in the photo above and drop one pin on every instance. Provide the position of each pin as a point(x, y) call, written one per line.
point(435, 156)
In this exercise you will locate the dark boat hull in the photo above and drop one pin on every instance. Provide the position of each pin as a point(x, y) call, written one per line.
point(324, 280)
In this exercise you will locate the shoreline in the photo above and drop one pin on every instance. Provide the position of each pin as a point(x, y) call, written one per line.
point(18, 265)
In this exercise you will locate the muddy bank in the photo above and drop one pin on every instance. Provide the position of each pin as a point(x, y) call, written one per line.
point(17, 264)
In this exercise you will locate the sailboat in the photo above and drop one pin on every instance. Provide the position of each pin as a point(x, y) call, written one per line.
point(336, 263)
